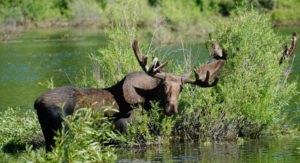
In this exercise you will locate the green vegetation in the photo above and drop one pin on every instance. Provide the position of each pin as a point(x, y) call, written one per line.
point(247, 102)
point(22, 11)
point(193, 17)
point(286, 12)
point(18, 128)
point(253, 89)
point(85, 139)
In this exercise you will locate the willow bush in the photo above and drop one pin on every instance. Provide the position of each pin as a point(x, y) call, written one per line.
point(18, 128)
point(253, 89)
point(87, 136)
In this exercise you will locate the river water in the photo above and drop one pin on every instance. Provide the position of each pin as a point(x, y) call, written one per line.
point(32, 57)
point(265, 150)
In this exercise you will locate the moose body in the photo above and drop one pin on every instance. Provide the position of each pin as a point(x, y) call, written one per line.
point(136, 88)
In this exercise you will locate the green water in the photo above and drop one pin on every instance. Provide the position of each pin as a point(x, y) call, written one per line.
point(37, 56)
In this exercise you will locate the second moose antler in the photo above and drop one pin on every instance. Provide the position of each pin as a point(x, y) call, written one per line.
point(206, 75)
point(289, 51)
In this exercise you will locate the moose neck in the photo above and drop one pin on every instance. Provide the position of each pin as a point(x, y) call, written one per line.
point(118, 95)
point(153, 93)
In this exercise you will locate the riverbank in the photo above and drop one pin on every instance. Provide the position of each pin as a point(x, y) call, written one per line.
point(169, 21)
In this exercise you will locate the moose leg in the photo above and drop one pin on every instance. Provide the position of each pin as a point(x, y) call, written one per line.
point(50, 121)
point(122, 120)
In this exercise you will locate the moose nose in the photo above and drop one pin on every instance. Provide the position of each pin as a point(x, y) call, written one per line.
point(172, 110)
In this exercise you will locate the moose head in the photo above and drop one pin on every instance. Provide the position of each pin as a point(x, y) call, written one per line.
point(171, 84)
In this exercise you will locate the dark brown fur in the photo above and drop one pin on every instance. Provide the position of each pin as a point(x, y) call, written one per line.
point(135, 88)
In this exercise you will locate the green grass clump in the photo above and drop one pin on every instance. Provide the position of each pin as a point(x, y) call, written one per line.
point(17, 128)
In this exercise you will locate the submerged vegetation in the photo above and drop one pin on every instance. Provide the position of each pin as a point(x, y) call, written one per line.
point(248, 101)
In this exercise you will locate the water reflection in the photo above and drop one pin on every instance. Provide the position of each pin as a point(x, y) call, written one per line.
point(263, 150)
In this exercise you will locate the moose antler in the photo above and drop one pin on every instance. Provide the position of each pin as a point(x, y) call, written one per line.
point(293, 45)
point(155, 68)
point(289, 51)
point(218, 52)
point(205, 76)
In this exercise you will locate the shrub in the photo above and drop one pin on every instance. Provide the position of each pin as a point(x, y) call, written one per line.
point(84, 138)
point(86, 12)
point(253, 89)
point(284, 12)
point(150, 127)
point(32, 10)
point(18, 126)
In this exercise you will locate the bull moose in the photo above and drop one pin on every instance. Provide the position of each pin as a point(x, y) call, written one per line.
point(135, 88)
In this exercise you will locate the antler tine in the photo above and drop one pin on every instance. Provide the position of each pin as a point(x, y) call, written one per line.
point(155, 68)
point(198, 81)
point(206, 73)
point(141, 58)
point(160, 66)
